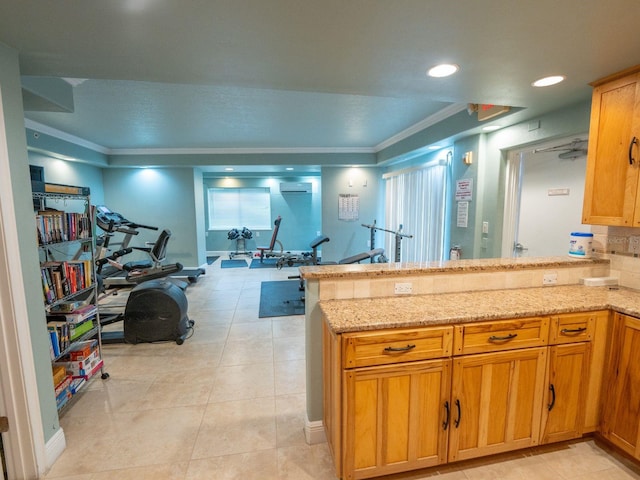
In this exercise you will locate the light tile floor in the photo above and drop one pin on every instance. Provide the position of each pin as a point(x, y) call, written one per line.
point(230, 404)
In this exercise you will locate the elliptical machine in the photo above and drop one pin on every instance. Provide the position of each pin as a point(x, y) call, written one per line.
point(156, 309)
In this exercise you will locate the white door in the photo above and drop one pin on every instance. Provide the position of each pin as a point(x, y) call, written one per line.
point(549, 187)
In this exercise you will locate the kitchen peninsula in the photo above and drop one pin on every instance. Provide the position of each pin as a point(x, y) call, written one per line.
point(471, 334)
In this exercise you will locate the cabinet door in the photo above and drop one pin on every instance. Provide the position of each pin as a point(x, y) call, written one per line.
point(496, 402)
point(396, 418)
point(621, 405)
point(611, 181)
point(568, 379)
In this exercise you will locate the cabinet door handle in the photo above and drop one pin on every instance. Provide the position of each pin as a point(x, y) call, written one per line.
point(495, 338)
point(633, 142)
point(447, 417)
point(457, 421)
point(553, 397)
point(400, 349)
point(569, 331)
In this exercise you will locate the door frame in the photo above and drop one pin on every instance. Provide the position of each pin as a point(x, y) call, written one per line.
point(24, 443)
point(513, 188)
point(513, 175)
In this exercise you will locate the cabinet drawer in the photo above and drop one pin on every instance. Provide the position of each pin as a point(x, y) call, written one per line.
point(571, 328)
point(500, 335)
point(382, 347)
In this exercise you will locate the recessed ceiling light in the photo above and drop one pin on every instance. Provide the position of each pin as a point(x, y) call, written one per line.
point(434, 147)
point(491, 128)
point(548, 81)
point(289, 168)
point(443, 70)
point(228, 169)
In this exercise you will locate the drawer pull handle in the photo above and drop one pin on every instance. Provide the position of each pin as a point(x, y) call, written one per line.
point(552, 389)
point(633, 142)
point(445, 424)
point(495, 338)
point(570, 331)
point(457, 420)
point(400, 349)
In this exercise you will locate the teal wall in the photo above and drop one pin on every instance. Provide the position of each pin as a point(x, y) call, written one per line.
point(300, 212)
point(71, 173)
point(23, 206)
point(349, 237)
point(464, 236)
point(161, 197)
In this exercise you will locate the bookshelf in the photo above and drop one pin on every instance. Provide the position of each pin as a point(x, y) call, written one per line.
point(66, 248)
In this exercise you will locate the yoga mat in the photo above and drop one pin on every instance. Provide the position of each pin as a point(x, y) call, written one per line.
point(266, 263)
point(210, 260)
point(281, 299)
point(233, 263)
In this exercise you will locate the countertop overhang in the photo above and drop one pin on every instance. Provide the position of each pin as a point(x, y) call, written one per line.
point(373, 270)
point(451, 308)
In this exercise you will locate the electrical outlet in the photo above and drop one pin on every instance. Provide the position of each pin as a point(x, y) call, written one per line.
point(403, 288)
point(485, 227)
point(550, 279)
point(634, 244)
point(257, 234)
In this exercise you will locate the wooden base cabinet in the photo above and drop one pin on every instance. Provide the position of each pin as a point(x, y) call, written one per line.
point(563, 413)
point(396, 418)
point(402, 399)
point(496, 405)
point(621, 404)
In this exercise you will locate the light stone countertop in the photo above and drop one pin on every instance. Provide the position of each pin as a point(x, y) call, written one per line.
point(449, 308)
point(370, 270)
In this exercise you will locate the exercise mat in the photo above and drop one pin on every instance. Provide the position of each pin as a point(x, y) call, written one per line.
point(266, 263)
point(210, 260)
point(233, 263)
point(281, 299)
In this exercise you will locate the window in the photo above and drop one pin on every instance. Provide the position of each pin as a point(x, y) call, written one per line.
point(239, 207)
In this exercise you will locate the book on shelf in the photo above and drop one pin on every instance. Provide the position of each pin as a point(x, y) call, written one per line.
point(76, 316)
point(61, 279)
point(54, 226)
point(77, 330)
point(59, 334)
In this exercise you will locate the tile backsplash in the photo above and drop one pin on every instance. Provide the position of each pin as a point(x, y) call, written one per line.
point(621, 246)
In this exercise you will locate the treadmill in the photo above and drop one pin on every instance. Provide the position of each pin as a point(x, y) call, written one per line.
point(108, 267)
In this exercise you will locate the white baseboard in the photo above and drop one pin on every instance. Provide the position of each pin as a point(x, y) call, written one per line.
point(54, 447)
point(314, 432)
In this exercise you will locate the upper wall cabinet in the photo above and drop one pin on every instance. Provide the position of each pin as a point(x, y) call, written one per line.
point(611, 195)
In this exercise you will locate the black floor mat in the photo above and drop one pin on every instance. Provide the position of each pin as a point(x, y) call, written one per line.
point(266, 263)
point(233, 263)
point(210, 260)
point(281, 299)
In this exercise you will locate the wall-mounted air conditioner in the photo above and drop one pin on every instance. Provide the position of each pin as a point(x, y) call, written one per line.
point(296, 187)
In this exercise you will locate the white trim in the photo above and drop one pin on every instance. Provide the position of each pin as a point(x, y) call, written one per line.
point(24, 442)
point(237, 151)
point(511, 203)
point(53, 132)
point(314, 431)
point(54, 447)
point(426, 123)
point(439, 116)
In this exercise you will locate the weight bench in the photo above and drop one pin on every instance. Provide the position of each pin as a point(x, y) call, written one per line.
point(311, 258)
point(268, 251)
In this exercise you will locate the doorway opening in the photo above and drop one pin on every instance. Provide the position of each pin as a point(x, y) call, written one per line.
point(544, 193)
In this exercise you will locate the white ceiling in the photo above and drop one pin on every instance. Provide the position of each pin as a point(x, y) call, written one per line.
point(303, 74)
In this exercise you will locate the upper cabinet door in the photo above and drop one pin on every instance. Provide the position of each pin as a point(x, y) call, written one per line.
point(611, 186)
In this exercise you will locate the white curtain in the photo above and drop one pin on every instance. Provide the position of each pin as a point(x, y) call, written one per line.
point(417, 201)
